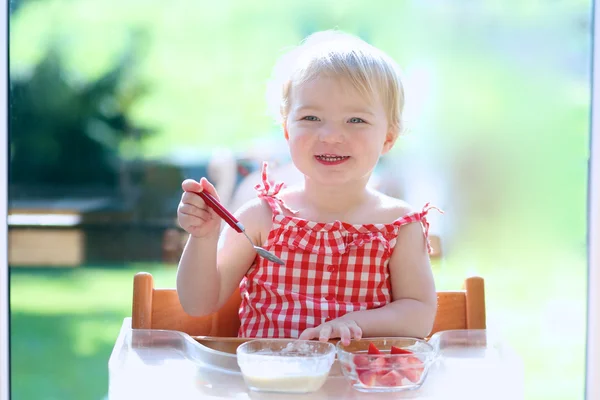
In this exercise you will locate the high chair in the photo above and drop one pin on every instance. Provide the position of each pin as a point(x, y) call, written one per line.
point(158, 308)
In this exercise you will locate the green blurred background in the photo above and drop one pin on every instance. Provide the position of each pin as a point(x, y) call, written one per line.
point(498, 103)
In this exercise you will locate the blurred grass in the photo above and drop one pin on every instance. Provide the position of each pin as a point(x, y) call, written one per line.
point(64, 323)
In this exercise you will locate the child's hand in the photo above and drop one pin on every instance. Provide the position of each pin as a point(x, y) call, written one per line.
point(345, 329)
point(193, 215)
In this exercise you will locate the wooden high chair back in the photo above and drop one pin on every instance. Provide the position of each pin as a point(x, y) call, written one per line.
point(155, 308)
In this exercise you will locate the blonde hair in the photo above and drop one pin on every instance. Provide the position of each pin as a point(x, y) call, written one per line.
point(338, 54)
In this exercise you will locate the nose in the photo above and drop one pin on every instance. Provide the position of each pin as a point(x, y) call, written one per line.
point(331, 134)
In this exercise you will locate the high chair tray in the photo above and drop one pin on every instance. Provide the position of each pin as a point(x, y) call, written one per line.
point(162, 364)
point(226, 344)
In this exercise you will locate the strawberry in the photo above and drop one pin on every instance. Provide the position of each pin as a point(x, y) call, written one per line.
point(397, 361)
point(414, 361)
point(413, 374)
point(413, 369)
point(398, 357)
point(398, 350)
point(361, 360)
point(373, 349)
point(367, 377)
point(373, 369)
point(378, 364)
point(392, 378)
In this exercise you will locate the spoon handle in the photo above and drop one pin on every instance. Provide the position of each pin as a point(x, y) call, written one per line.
point(222, 211)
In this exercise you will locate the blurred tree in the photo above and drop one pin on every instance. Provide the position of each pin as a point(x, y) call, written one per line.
point(67, 133)
point(13, 5)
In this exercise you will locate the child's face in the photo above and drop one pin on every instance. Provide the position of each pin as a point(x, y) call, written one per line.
point(335, 134)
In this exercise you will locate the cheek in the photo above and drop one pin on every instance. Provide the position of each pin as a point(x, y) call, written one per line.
point(298, 137)
point(296, 146)
point(378, 138)
point(368, 139)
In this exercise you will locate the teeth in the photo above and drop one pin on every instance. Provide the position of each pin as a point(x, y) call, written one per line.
point(332, 159)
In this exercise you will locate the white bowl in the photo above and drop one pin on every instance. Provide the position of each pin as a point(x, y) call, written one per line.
point(285, 365)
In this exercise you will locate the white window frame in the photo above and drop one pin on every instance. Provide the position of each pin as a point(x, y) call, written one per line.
point(592, 381)
point(4, 307)
point(592, 385)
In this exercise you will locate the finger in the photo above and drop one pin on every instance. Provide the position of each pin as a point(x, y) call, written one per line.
point(194, 200)
point(344, 332)
point(310, 333)
point(190, 185)
point(190, 221)
point(355, 330)
point(325, 333)
point(206, 185)
point(194, 211)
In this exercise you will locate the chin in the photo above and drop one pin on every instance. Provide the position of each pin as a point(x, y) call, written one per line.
point(339, 180)
point(336, 175)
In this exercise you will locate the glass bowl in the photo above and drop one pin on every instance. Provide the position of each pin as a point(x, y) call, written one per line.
point(285, 365)
point(402, 363)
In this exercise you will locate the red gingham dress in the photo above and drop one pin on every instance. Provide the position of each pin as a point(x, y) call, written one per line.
point(331, 269)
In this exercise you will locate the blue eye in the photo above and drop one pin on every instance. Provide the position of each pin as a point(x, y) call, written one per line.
point(310, 118)
point(356, 120)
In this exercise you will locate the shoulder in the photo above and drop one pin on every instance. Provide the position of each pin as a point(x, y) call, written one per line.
point(256, 216)
point(291, 193)
point(390, 209)
point(255, 209)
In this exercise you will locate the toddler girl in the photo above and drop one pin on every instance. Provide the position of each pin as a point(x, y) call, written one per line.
point(356, 261)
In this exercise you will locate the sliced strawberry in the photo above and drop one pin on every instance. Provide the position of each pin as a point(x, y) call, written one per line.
point(398, 350)
point(397, 361)
point(392, 378)
point(413, 374)
point(414, 361)
point(361, 360)
point(373, 349)
point(367, 377)
point(413, 369)
point(378, 364)
point(406, 382)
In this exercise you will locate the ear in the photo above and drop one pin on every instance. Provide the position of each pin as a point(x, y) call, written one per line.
point(285, 130)
point(390, 139)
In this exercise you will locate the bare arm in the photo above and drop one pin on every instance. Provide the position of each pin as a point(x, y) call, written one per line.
point(212, 266)
point(412, 311)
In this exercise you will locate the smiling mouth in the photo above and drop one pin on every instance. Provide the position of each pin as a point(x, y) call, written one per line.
point(331, 158)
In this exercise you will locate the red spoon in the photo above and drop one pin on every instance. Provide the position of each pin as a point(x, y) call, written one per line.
point(236, 225)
